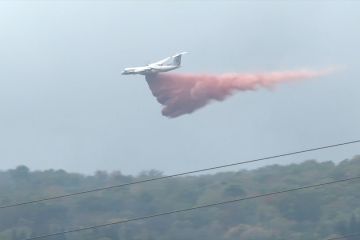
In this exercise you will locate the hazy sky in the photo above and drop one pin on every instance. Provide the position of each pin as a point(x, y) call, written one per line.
point(64, 103)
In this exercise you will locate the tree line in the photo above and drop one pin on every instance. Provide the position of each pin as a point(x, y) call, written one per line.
point(307, 215)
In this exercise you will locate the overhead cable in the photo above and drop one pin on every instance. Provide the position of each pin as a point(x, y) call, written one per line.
point(348, 236)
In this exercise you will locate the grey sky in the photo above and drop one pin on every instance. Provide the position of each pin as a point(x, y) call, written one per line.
point(64, 104)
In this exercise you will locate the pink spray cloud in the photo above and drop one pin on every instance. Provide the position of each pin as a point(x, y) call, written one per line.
point(185, 93)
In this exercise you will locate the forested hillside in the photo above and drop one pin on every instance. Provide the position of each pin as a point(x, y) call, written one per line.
point(307, 215)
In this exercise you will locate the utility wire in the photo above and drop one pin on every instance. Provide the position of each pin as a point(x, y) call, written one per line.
point(345, 236)
point(178, 174)
point(193, 208)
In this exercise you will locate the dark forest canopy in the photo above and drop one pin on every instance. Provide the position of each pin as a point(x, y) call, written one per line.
point(306, 215)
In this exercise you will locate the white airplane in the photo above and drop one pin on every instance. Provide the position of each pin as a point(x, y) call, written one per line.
point(164, 65)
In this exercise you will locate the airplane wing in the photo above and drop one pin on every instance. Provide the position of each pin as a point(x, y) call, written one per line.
point(161, 62)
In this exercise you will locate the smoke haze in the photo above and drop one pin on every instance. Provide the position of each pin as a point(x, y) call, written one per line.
point(185, 93)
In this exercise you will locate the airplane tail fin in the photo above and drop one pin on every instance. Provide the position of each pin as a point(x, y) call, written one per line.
point(177, 58)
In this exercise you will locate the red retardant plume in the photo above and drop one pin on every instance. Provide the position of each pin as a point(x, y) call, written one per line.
point(184, 93)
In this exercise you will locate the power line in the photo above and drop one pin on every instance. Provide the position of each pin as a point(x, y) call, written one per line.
point(192, 208)
point(345, 236)
point(177, 174)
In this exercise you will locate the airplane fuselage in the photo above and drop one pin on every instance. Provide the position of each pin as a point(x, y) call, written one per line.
point(148, 70)
point(157, 67)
